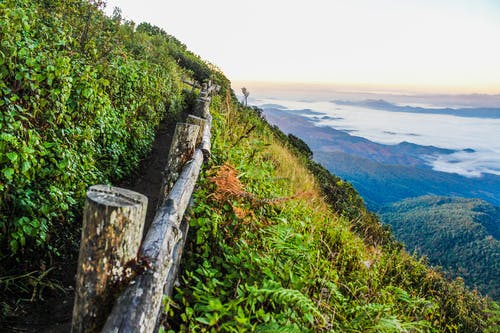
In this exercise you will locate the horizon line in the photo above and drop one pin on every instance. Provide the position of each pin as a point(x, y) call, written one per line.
point(373, 87)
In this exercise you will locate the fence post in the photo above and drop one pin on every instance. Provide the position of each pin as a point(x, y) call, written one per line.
point(138, 306)
point(113, 221)
point(181, 151)
point(200, 122)
point(202, 106)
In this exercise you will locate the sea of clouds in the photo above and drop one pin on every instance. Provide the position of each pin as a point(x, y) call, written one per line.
point(476, 140)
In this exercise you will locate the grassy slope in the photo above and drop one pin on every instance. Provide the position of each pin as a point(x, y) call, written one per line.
point(293, 264)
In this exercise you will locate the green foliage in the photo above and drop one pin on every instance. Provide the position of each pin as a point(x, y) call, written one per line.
point(81, 96)
point(457, 233)
point(300, 145)
point(151, 30)
point(340, 195)
point(344, 200)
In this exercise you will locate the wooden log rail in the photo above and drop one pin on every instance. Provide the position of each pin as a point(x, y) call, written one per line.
point(120, 286)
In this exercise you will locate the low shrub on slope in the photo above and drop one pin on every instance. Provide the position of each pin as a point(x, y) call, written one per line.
point(266, 252)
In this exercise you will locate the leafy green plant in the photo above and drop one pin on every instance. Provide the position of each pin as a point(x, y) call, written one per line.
point(81, 96)
point(74, 112)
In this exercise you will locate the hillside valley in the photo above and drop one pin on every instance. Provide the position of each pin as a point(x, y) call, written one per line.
point(381, 173)
point(434, 213)
point(461, 235)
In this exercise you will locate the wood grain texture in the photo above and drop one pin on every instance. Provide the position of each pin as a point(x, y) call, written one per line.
point(113, 222)
point(138, 307)
point(181, 151)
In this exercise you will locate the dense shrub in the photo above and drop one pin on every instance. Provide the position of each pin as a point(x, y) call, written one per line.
point(81, 95)
point(300, 145)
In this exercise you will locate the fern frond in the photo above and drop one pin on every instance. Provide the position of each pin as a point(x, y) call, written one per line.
point(277, 328)
point(332, 289)
point(284, 240)
point(289, 298)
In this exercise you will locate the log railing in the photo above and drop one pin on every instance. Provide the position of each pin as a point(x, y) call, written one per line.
point(120, 286)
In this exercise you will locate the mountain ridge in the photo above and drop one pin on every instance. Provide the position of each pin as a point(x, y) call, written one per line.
point(380, 104)
point(382, 173)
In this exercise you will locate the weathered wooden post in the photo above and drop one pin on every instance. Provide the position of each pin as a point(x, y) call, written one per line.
point(181, 151)
point(204, 136)
point(137, 308)
point(202, 106)
point(200, 122)
point(206, 144)
point(113, 221)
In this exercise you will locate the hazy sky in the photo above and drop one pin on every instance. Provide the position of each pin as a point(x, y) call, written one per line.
point(446, 45)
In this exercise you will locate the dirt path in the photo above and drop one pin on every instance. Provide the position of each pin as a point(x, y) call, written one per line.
point(54, 315)
point(148, 179)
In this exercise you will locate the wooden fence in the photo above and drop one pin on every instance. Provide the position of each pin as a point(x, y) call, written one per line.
point(122, 277)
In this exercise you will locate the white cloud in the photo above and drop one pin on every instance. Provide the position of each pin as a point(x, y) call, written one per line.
point(443, 131)
point(468, 164)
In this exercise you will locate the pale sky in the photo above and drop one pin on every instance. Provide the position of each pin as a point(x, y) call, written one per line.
point(445, 45)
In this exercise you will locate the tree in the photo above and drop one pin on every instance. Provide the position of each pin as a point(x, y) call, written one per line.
point(246, 93)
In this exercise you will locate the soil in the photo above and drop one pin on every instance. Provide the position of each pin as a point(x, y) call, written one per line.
point(53, 315)
point(149, 177)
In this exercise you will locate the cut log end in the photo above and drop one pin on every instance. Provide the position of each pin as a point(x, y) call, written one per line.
point(115, 196)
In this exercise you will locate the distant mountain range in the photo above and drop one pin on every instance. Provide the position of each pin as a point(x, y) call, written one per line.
point(381, 173)
point(380, 184)
point(381, 104)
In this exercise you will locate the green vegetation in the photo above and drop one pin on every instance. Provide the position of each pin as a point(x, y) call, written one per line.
point(384, 175)
point(276, 242)
point(274, 248)
point(457, 233)
point(81, 95)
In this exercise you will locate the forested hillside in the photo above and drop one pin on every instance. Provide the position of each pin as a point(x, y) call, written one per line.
point(458, 234)
point(276, 243)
